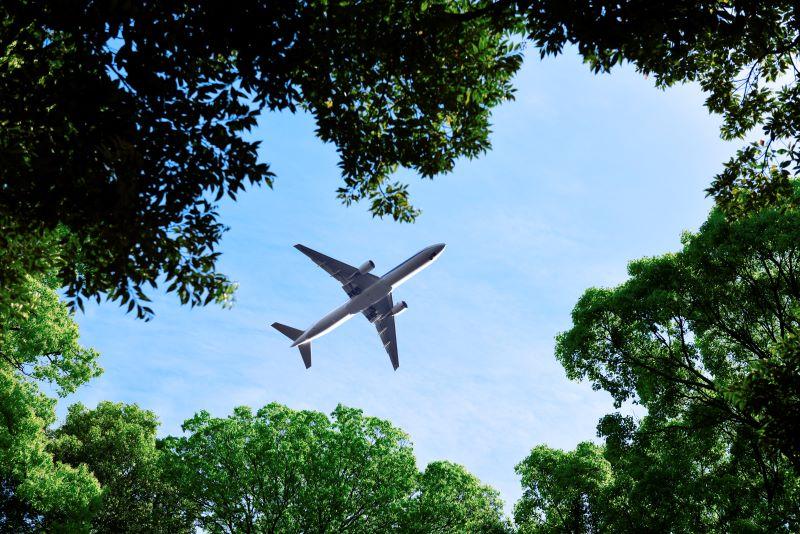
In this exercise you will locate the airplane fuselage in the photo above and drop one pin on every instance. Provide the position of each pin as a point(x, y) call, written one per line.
point(371, 294)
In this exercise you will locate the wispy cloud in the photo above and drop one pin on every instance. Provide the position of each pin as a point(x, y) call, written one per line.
point(586, 174)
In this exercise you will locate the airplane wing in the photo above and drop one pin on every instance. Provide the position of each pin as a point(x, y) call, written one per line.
point(352, 281)
point(385, 326)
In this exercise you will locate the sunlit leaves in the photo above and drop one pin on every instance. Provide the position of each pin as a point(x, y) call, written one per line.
point(564, 491)
point(450, 499)
point(294, 470)
point(40, 344)
point(705, 340)
point(282, 470)
point(44, 344)
point(118, 444)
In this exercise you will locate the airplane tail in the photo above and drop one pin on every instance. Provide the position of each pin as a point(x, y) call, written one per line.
point(293, 334)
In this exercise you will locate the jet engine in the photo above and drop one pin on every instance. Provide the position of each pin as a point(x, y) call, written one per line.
point(398, 308)
point(366, 267)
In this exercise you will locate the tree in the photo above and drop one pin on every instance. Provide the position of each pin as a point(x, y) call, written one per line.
point(690, 476)
point(771, 393)
point(118, 444)
point(648, 478)
point(448, 499)
point(564, 491)
point(275, 470)
point(36, 490)
point(125, 123)
point(280, 470)
point(705, 340)
point(688, 329)
point(40, 344)
point(138, 119)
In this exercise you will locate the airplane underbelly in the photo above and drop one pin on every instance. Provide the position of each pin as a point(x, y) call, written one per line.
point(411, 272)
point(333, 325)
point(369, 297)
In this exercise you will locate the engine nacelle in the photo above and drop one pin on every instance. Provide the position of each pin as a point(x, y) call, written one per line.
point(366, 267)
point(398, 308)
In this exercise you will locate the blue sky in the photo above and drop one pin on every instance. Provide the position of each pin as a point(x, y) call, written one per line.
point(587, 173)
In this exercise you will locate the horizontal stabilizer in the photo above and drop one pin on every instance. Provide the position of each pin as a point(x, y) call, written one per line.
point(288, 331)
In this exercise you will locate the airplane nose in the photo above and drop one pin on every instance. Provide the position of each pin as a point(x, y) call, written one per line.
point(436, 250)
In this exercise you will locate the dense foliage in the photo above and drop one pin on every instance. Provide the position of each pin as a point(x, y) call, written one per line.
point(563, 491)
point(118, 444)
point(706, 340)
point(124, 123)
point(449, 499)
point(690, 333)
point(276, 470)
point(280, 470)
point(40, 345)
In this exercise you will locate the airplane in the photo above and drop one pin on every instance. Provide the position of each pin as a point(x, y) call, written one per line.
point(369, 294)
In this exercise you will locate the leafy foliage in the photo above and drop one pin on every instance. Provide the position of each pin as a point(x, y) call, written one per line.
point(448, 499)
point(118, 444)
point(40, 345)
point(124, 123)
point(651, 479)
point(694, 476)
point(294, 471)
point(564, 491)
point(41, 342)
point(281, 470)
point(705, 340)
point(689, 328)
point(138, 119)
point(771, 393)
point(742, 53)
point(34, 484)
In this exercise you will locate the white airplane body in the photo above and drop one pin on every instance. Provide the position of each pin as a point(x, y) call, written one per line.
point(369, 295)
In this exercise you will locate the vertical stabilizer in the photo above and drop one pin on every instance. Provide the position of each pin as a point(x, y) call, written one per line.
point(305, 352)
point(293, 334)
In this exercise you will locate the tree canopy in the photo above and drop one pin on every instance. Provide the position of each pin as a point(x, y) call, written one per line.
point(280, 470)
point(448, 498)
point(272, 470)
point(125, 123)
point(117, 442)
point(690, 333)
point(563, 491)
point(138, 121)
point(40, 345)
point(705, 340)
point(122, 126)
